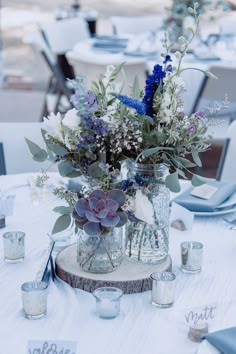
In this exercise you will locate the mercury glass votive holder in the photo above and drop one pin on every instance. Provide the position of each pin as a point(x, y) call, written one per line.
point(108, 302)
point(34, 299)
point(163, 289)
point(14, 246)
point(191, 256)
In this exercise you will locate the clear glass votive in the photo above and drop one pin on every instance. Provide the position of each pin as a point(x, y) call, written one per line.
point(14, 246)
point(191, 256)
point(163, 288)
point(108, 302)
point(62, 239)
point(34, 299)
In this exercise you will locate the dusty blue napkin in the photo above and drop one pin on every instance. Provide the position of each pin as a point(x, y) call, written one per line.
point(190, 202)
point(224, 340)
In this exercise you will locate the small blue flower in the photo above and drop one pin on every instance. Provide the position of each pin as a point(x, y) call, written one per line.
point(167, 59)
point(139, 106)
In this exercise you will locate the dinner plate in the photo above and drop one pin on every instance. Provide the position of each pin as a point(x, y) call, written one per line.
point(206, 348)
point(216, 212)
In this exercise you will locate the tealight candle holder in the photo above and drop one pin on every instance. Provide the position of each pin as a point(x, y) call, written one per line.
point(197, 332)
point(191, 256)
point(108, 302)
point(163, 286)
point(34, 299)
point(14, 246)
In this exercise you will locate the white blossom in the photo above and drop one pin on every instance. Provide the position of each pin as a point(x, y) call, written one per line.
point(53, 126)
point(143, 208)
point(71, 119)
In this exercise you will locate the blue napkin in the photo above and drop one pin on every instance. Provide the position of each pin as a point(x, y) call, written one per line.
point(190, 202)
point(224, 340)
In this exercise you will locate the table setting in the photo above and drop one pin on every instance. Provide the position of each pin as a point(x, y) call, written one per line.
point(118, 251)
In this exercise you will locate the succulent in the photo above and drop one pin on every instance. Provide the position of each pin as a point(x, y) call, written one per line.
point(100, 212)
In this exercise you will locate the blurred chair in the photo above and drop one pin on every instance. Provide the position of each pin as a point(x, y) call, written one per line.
point(212, 90)
point(2, 161)
point(18, 158)
point(212, 160)
point(62, 36)
point(57, 97)
point(228, 166)
point(136, 24)
point(93, 71)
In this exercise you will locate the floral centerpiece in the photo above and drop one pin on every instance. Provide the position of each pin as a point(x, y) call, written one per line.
point(128, 151)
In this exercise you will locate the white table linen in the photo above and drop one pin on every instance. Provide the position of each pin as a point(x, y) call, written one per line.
point(141, 328)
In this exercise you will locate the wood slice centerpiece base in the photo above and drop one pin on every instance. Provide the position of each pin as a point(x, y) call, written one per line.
point(131, 277)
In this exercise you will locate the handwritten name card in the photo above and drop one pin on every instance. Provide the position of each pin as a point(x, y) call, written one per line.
point(197, 315)
point(51, 347)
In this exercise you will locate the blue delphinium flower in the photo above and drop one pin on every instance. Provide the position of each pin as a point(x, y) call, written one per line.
point(139, 106)
point(152, 83)
point(167, 59)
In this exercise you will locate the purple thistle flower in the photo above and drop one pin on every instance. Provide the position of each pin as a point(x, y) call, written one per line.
point(199, 114)
point(153, 81)
point(192, 128)
point(139, 106)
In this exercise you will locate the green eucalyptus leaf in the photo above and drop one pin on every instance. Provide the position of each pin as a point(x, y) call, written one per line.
point(116, 71)
point(58, 149)
point(62, 223)
point(95, 171)
point(63, 210)
point(66, 169)
point(149, 119)
point(152, 151)
point(199, 180)
point(136, 91)
point(196, 157)
point(172, 182)
point(39, 154)
point(161, 137)
point(185, 162)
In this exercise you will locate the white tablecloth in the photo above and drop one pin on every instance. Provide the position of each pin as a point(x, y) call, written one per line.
point(141, 328)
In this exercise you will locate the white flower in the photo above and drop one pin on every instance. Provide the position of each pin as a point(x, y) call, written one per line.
point(144, 208)
point(71, 119)
point(52, 125)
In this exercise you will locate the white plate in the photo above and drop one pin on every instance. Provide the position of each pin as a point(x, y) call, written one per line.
point(206, 348)
point(215, 213)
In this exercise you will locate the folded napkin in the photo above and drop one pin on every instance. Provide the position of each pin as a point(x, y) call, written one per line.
point(193, 203)
point(224, 340)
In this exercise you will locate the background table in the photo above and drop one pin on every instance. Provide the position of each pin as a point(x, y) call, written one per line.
point(140, 328)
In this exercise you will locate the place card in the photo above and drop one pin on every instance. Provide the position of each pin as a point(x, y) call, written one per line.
point(51, 346)
point(205, 191)
point(202, 314)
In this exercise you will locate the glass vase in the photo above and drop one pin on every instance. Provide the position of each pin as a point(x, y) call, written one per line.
point(100, 254)
point(149, 243)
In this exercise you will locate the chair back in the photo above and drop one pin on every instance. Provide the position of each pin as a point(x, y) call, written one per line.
point(18, 158)
point(227, 166)
point(2, 161)
point(136, 24)
point(62, 36)
point(212, 90)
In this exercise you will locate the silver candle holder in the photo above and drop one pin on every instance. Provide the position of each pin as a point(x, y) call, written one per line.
point(191, 256)
point(34, 299)
point(14, 246)
point(163, 288)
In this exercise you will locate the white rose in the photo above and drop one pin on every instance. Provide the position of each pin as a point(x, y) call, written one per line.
point(52, 125)
point(71, 120)
point(144, 208)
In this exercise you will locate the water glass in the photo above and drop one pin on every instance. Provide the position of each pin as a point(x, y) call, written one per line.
point(61, 239)
point(34, 299)
point(191, 256)
point(14, 246)
point(108, 302)
point(163, 287)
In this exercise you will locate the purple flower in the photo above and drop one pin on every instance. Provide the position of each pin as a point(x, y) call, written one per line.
point(192, 128)
point(91, 101)
point(199, 114)
point(100, 127)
